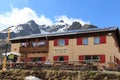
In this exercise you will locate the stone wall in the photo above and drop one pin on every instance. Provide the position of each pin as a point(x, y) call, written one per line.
point(59, 75)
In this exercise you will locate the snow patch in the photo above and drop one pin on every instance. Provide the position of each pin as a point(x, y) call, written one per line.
point(16, 29)
point(43, 32)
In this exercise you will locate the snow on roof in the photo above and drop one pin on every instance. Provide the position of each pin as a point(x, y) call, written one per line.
point(92, 30)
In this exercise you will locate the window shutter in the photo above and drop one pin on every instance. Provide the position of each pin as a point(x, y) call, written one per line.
point(66, 59)
point(55, 42)
point(55, 58)
point(66, 41)
point(43, 58)
point(102, 58)
point(103, 39)
point(81, 58)
point(79, 41)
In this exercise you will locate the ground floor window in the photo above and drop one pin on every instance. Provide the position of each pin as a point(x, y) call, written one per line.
point(33, 59)
point(60, 58)
point(100, 58)
point(92, 57)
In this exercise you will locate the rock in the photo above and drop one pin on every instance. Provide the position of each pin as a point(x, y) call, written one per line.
point(32, 78)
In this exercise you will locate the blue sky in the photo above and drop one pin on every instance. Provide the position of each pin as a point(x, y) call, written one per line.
point(102, 13)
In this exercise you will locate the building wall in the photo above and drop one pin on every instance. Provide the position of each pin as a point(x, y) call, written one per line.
point(109, 49)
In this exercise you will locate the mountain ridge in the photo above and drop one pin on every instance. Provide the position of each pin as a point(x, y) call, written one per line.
point(31, 27)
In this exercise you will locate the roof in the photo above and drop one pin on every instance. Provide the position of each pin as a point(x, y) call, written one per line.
point(82, 31)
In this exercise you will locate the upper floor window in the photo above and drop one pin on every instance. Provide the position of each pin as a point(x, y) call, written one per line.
point(85, 41)
point(41, 43)
point(34, 44)
point(82, 41)
point(61, 42)
point(96, 40)
point(100, 40)
point(23, 44)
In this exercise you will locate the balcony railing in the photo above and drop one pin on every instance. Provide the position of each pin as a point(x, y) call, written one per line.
point(32, 49)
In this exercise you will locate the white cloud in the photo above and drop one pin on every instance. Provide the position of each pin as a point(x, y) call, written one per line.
point(70, 20)
point(19, 16)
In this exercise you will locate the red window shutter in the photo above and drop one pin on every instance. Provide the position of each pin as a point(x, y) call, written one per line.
point(43, 59)
point(66, 41)
point(79, 41)
point(81, 58)
point(102, 58)
point(65, 58)
point(103, 39)
point(55, 58)
point(55, 42)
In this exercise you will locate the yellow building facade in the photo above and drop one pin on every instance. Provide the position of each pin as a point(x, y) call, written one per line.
point(82, 46)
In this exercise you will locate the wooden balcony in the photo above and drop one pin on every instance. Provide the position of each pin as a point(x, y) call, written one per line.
point(40, 49)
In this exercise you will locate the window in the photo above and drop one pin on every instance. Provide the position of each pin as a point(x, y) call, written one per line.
point(38, 59)
point(95, 57)
point(85, 41)
point(61, 58)
point(97, 40)
point(87, 57)
point(61, 42)
point(34, 44)
point(92, 57)
point(100, 40)
point(23, 44)
point(42, 43)
point(82, 41)
point(28, 44)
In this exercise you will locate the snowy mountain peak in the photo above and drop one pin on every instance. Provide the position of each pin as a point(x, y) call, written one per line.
point(31, 27)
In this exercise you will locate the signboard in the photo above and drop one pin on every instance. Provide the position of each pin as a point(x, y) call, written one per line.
point(11, 57)
point(60, 51)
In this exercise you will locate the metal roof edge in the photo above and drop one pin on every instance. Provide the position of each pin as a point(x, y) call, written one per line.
point(67, 33)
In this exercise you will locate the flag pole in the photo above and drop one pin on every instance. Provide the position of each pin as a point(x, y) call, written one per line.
point(5, 60)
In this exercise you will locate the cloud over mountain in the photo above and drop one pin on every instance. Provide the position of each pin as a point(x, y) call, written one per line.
point(18, 16)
